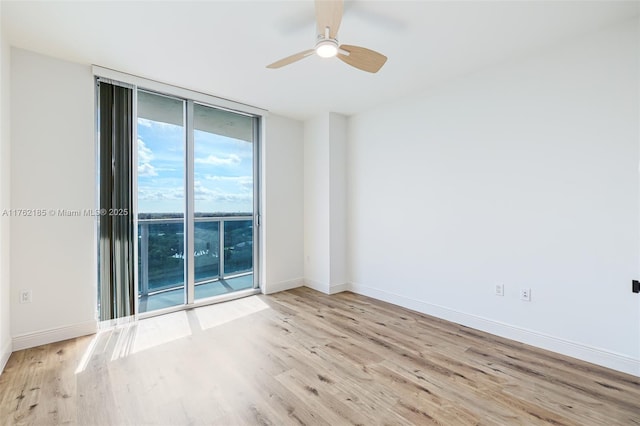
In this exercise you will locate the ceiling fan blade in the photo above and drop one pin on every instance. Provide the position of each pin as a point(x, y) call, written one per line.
point(329, 14)
point(291, 59)
point(362, 58)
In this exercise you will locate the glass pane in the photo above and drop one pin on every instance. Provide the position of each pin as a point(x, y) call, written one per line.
point(165, 241)
point(238, 246)
point(223, 191)
point(207, 250)
point(161, 169)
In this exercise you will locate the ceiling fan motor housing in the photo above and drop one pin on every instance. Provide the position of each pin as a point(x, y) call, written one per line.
point(326, 47)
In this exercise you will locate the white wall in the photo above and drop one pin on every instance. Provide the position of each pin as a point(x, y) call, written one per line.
point(525, 174)
point(283, 183)
point(316, 202)
point(53, 167)
point(338, 202)
point(325, 207)
point(5, 221)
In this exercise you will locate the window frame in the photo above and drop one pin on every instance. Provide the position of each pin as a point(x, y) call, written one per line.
point(192, 98)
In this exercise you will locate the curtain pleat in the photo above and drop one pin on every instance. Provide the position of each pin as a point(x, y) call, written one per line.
point(116, 247)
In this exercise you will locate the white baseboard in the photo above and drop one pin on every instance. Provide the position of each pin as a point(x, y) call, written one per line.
point(318, 286)
point(326, 288)
point(565, 347)
point(271, 288)
point(338, 288)
point(43, 337)
point(5, 353)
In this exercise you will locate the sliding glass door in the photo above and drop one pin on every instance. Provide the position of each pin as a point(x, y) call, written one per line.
point(161, 201)
point(196, 201)
point(223, 201)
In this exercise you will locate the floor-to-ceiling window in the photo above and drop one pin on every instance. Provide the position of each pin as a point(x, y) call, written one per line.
point(161, 171)
point(196, 205)
point(223, 200)
point(195, 183)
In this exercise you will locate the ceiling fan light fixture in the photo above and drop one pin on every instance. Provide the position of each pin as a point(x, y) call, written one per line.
point(328, 18)
point(327, 48)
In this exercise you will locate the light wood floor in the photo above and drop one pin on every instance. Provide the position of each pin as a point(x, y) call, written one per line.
point(300, 357)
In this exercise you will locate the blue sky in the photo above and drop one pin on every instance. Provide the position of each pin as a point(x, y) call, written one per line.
point(223, 171)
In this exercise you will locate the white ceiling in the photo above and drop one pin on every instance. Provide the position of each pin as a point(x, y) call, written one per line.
point(222, 47)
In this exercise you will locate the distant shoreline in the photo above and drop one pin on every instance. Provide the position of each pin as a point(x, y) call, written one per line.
point(181, 215)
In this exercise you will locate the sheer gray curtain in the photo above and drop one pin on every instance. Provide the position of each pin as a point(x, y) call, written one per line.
point(116, 248)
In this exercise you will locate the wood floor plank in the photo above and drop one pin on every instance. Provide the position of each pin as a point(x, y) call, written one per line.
point(304, 358)
point(23, 400)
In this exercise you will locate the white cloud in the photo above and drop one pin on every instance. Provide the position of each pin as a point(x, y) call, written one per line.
point(235, 198)
point(144, 122)
point(145, 155)
point(230, 160)
point(159, 194)
point(146, 169)
point(245, 182)
point(229, 178)
point(202, 193)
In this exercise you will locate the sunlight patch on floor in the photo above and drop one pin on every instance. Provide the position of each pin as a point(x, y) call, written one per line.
point(132, 337)
point(88, 353)
point(152, 332)
point(221, 313)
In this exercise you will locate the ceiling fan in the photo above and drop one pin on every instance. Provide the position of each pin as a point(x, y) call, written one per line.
point(328, 17)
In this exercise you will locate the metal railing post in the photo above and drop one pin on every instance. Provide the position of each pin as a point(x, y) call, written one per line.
point(222, 253)
point(144, 258)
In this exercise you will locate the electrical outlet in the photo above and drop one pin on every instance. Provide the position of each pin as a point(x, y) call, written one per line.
point(525, 294)
point(499, 290)
point(25, 296)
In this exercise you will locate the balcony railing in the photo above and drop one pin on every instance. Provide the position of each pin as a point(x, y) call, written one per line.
point(161, 251)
